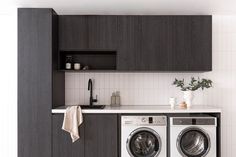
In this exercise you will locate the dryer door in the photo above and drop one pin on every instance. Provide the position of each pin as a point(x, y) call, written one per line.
point(193, 142)
point(144, 142)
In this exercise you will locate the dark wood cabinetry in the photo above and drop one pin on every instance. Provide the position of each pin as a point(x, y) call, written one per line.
point(143, 43)
point(156, 46)
point(87, 32)
point(102, 32)
point(62, 145)
point(73, 32)
point(118, 43)
point(175, 43)
point(98, 137)
point(90, 40)
point(129, 43)
point(101, 135)
point(38, 80)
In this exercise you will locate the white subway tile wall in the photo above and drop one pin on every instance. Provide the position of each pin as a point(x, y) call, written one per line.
point(156, 88)
point(135, 88)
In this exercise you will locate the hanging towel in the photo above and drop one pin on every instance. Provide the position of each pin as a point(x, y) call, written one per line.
point(72, 120)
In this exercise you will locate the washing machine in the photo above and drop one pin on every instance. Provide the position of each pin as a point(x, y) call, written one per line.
point(193, 136)
point(143, 136)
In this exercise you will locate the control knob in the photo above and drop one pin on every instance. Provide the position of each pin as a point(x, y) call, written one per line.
point(144, 120)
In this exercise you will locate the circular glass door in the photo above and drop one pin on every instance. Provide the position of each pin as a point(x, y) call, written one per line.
point(143, 142)
point(193, 142)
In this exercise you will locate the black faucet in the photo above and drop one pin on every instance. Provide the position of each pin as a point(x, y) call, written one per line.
point(90, 87)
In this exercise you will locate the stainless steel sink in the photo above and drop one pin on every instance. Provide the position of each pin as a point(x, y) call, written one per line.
point(92, 106)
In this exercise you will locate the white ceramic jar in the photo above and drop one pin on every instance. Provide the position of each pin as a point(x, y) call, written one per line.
point(77, 66)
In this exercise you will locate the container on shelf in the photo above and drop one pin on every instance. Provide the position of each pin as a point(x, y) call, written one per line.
point(68, 62)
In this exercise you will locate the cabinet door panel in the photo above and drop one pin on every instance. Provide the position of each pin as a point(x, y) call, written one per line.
point(191, 43)
point(202, 42)
point(101, 132)
point(62, 144)
point(102, 32)
point(73, 32)
point(129, 42)
point(175, 43)
point(156, 43)
point(182, 55)
point(34, 82)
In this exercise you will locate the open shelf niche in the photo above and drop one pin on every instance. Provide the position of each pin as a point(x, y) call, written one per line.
point(95, 60)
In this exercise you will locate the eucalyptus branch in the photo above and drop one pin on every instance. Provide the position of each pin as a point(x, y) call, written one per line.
point(193, 85)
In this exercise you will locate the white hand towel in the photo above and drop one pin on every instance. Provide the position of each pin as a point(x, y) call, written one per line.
point(72, 120)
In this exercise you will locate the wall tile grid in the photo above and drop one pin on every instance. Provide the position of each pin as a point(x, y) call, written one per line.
point(156, 88)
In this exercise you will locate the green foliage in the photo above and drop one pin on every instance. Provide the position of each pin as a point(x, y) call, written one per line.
point(194, 84)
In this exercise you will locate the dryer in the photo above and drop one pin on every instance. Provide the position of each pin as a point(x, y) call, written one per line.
point(193, 136)
point(143, 136)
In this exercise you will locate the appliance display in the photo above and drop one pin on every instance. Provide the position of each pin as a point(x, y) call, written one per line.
point(193, 136)
point(143, 136)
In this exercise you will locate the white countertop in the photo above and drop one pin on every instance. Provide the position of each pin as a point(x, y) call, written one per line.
point(146, 109)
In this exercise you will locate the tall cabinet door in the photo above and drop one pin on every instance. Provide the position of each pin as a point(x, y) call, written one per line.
point(201, 35)
point(101, 135)
point(34, 82)
point(61, 141)
point(156, 43)
point(129, 43)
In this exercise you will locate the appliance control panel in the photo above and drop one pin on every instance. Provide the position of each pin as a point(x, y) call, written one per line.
point(144, 120)
point(193, 121)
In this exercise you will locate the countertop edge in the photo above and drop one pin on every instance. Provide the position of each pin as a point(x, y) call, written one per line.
point(133, 109)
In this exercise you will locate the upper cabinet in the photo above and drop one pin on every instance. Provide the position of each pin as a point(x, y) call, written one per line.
point(102, 32)
point(156, 43)
point(129, 42)
point(175, 43)
point(73, 32)
point(138, 43)
point(87, 32)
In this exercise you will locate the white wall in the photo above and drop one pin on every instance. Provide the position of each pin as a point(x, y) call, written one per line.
point(135, 88)
point(156, 88)
point(224, 75)
point(8, 82)
point(166, 7)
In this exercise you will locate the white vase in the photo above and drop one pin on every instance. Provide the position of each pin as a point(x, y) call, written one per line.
point(188, 98)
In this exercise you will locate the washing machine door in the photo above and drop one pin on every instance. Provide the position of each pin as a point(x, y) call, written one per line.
point(193, 142)
point(143, 142)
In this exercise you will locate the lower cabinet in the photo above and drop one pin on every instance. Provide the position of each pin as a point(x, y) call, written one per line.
point(62, 145)
point(98, 137)
point(101, 131)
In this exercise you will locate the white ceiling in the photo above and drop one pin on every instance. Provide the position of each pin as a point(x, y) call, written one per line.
point(132, 6)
